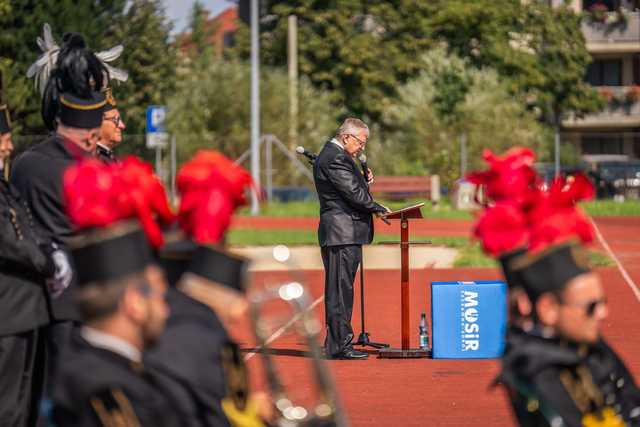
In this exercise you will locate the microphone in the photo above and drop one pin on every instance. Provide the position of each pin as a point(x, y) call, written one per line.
point(309, 155)
point(363, 162)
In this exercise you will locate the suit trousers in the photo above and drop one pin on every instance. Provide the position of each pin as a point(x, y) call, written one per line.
point(22, 368)
point(340, 266)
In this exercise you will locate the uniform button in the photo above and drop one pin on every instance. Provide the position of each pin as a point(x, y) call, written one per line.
point(620, 383)
point(533, 405)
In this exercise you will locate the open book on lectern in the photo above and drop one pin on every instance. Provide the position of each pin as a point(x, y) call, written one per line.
point(407, 212)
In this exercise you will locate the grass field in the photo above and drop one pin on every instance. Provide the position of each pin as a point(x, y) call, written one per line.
point(311, 209)
point(443, 210)
point(470, 254)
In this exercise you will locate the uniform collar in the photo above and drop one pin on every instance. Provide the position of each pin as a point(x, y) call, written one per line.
point(72, 148)
point(109, 342)
point(104, 148)
point(335, 141)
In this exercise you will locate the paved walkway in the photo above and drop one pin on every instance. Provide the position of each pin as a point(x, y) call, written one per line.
point(376, 257)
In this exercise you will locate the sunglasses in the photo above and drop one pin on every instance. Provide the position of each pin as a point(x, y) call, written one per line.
point(589, 307)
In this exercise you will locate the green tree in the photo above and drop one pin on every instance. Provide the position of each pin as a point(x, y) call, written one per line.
point(427, 141)
point(210, 110)
point(22, 24)
point(150, 60)
point(539, 50)
point(361, 50)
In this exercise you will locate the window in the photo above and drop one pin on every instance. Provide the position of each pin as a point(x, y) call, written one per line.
point(605, 72)
point(602, 144)
point(228, 38)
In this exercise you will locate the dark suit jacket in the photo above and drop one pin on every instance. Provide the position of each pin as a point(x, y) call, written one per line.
point(346, 206)
point(23, 267)
point(38, 174)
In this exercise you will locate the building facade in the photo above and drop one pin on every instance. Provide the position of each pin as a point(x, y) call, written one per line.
point(612, 32)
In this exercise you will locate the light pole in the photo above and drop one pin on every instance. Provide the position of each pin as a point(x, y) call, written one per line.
point(255, 106)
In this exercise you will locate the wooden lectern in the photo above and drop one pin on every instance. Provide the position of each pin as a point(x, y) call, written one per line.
point(404, 215)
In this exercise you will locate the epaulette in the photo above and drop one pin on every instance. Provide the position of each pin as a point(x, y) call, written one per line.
point(113, 409)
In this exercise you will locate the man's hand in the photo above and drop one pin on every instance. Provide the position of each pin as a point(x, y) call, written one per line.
point(369, 176)
point(381, 215)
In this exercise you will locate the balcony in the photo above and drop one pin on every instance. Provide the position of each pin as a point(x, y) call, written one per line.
point(622, 111)
point(619, 36)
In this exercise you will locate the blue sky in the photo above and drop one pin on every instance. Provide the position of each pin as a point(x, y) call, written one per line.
point(178, 10)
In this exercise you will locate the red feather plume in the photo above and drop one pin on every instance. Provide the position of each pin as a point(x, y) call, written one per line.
point(501, 228)
point(99, 194)
point(211, 188)
point(509, 177)
point(555, 218)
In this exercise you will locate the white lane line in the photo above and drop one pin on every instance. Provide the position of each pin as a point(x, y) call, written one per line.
point(625, 275)
point(277, 334)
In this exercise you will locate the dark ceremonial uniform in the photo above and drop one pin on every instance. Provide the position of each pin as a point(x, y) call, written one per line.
point(24, 266)
point(195, 348)
point(554, 383)
point(346, 223)
point(38, 176)
point(99, 387)
point(189, 350)
point(105, 154)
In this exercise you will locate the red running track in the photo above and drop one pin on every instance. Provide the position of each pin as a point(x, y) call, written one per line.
point(380, 392)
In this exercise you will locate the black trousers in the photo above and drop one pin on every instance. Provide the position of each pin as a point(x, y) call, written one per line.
point(340, 267)
point(56, 337)
point(22, 369)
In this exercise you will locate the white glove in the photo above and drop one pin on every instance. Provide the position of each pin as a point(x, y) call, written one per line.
point(62, 276)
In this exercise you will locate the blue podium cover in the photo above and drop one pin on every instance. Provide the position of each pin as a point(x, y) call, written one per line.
point(468, 319)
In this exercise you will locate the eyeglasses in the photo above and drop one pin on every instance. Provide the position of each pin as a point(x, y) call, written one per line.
point(358, 139)
point(115, 120)
point(589, 307)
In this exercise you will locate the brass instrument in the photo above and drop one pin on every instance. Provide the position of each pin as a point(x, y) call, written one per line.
point(5, 170)
point(328, 411)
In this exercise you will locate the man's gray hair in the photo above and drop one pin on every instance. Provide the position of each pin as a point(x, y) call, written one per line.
point(352, 126)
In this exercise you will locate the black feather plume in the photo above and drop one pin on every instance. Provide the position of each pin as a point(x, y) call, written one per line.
point(78, 71)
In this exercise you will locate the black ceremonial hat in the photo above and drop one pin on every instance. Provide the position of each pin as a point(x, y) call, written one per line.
point(220, 267)
point(511, 276)
point(111, 101)
point(5, 120)
point(551, 269)
point(110, 253)
point(175, 257)
point(83, 113)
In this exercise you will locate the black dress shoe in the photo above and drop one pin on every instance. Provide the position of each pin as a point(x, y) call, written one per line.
point(352, 354)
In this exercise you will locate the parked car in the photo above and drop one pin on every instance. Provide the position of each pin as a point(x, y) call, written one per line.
point(613, 175)
point(617, 179)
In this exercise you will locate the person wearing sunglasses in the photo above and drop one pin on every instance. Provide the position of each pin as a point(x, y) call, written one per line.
point(110, 130)
point(560, 370)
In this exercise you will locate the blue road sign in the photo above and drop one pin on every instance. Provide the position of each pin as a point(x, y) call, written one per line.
point(155, 118)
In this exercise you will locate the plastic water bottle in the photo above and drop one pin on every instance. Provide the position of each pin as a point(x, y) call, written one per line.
point(424, 334)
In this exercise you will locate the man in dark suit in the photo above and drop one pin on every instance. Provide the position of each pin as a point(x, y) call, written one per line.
point(346, 223)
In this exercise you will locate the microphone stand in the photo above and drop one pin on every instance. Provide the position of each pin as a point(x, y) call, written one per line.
point(363, 338)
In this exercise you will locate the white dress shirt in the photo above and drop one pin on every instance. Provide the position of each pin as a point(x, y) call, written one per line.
point(108, 342)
